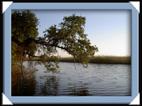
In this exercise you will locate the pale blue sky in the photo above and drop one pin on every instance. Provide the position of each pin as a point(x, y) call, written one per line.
point(109, 30)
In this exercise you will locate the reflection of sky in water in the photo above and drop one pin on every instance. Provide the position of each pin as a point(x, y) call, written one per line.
point(97, 79)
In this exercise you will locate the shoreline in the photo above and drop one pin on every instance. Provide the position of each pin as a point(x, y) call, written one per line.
point(96, 60)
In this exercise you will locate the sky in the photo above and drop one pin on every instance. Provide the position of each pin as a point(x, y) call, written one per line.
point(109, 30)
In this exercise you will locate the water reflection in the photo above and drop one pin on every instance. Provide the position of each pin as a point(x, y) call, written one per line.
point(79, 91)
point(99, 80)
point(23, 81)
point(50, 87)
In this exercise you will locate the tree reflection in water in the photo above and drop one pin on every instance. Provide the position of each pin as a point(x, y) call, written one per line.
point(23, 84)
point(50, 87)
point(82, 90)
point(79, 92)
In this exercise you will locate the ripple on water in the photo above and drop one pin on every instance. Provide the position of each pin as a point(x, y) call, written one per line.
point(96, 80)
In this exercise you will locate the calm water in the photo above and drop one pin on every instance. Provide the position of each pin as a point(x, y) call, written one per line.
point(97, 80)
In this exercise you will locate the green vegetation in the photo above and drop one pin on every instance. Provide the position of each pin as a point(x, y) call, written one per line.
point(23, 81)
point(96, 59)
point(68, 36)
point(103, 60)
point(24, 28)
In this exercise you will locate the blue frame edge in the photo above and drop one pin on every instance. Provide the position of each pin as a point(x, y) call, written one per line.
point(71, 99)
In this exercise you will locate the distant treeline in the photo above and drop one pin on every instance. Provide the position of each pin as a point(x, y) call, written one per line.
point(97, 59)
point(103, 60)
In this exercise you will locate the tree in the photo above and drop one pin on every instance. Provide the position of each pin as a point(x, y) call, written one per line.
point(69, 36)
point(24, 28)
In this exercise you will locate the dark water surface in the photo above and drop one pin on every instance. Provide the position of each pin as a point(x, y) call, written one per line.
point(96, 80)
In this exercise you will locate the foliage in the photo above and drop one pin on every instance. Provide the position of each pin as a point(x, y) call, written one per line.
point(102, 60)
point(69, 36)
point(24, 28)
point(22, 85)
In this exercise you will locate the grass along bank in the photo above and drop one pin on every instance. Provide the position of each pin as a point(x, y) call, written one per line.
point(103, 60)
point(96, 59)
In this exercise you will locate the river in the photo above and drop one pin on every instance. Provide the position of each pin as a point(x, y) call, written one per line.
point(74, 80)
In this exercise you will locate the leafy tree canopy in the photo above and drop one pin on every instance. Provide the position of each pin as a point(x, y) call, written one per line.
point(24, 28)
point(69, 35)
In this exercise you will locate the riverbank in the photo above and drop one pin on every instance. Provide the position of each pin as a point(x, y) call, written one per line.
point(103, 60)
point(97, 59)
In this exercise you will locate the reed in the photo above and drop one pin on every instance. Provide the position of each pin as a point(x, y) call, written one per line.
point(103, 60)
